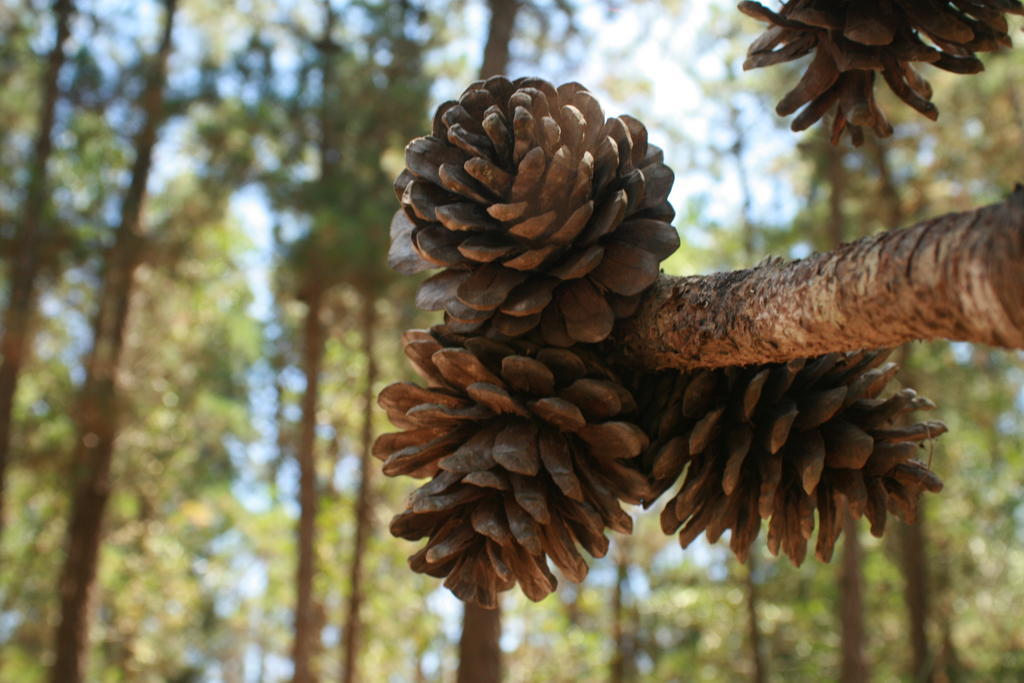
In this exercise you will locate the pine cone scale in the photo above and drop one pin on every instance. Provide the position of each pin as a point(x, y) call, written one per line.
point(853, 40)
point(522, 182)
point(779, 442)
point(514, 482)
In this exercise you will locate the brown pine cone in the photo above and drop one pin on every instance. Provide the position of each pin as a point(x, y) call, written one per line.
point(541, 212)
point(852, 40)
point(780, 441)
point(526, 450)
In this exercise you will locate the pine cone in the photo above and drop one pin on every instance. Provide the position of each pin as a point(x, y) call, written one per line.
point(525, 446)
point(540, 211)
point(779, 441)
point(851, 40)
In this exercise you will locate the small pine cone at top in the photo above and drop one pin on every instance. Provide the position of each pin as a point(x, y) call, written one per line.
point(542, 213)
point(528, 451)
point(852, 41)
point(781, 441)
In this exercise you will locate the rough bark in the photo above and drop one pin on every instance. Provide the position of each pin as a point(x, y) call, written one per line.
point(97, 406)
point(306, 632)
point(958, 277)
point(353, 625)
point(28, 243)
point(479, 650)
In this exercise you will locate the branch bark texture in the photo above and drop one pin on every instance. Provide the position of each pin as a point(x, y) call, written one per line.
point(957, 277)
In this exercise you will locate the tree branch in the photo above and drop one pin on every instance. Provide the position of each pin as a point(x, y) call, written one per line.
point(957, 277)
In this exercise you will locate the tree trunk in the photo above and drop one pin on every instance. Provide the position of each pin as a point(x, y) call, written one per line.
point(756, 641)
point(479, 649)
point(353, 625)
point(955, 277)
point(949, 667)
point(917, 586)
point(499, 37)
point(307, 620)
point(853, 667)
point(97, 409)
point(617, 666)
point(29, 241)
point(278, 360)
point(749, 227)
point(836, 175)
point(893, 204)
point(738, 152)
point(916, 595)
point(306, 633)
point(911, 538)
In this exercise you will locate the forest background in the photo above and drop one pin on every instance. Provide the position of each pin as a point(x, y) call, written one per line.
point(201, 221)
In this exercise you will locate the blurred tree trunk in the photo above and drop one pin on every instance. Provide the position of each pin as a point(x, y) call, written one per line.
point(353, 625)
point(279, 360)
point(97, 405)
point(419, 676)
point(892, 204)
point(572, 607)
point(911, 537)
point(914, 563)
point(948, 668)
point(479, 651)
point(912, 547)
point(307, 621)
point(306, 632)
point(754, 622)
point(499, 36)
point(852, 666)
point(836, 176)
point(620, 666)
point(28, 244)
point(749, 226)
point(738, 152)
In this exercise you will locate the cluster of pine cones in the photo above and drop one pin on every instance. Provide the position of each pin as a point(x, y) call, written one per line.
point(852, 41)
point(548, 222)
